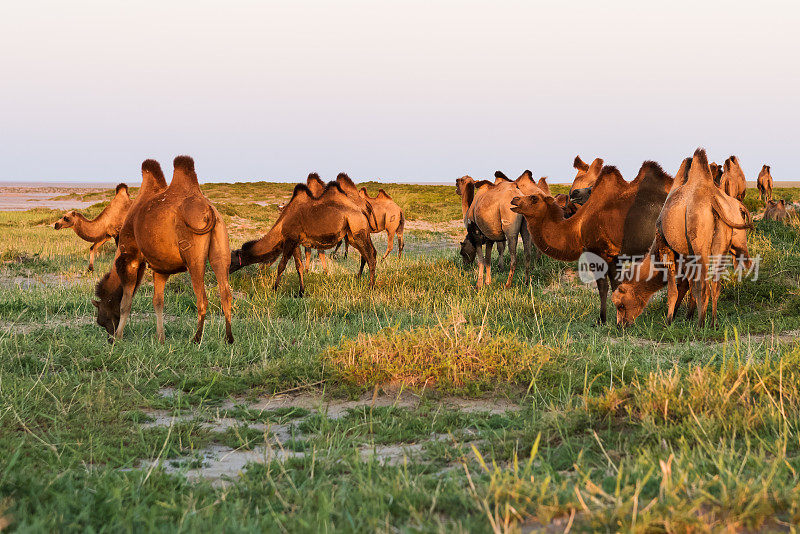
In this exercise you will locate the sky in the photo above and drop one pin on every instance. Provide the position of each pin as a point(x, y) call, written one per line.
point(412, 90)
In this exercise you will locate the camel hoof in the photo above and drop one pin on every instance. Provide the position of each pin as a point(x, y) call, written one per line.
point(229, 339)
point(91, 268)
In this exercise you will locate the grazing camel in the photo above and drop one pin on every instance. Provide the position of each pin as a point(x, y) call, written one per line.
point(389, 217)
point(316, 222)
point(468, 193)
point(172, 230)
point(765, 184)
point(490, 218)
point(732, 180)
point(585, 178)
point(776, 210)
point(349, 188)
point(103, 227)
point(617, 220)
point(700, 222)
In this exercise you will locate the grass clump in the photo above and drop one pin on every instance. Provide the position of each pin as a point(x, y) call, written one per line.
point(460, 357)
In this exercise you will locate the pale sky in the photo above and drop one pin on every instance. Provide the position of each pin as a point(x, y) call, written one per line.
point(426, 90)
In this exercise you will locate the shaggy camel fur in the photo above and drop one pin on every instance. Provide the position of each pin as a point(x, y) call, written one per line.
point(732, 180)
point(315, 222)
point(617, 220)
point(389, 218)
point(490, 218)
point(776, 210)
point(699, 221)
point(716, 173)
point(586, 177)
point(765, 184)
point(102, 228)
point(172, 230)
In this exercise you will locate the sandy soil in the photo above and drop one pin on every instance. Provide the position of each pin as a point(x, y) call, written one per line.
point(13, 198)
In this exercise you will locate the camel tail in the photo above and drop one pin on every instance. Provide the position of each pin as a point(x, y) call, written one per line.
point(737, 226)
point(212, 221)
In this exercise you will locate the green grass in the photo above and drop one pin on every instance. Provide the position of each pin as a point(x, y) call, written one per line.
point(512, 409)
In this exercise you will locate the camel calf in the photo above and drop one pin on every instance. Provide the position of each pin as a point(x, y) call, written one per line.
point(103, 227)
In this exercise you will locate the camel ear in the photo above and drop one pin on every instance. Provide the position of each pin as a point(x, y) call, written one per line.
point(597, 165)
point(579, 164)
point(96, 303)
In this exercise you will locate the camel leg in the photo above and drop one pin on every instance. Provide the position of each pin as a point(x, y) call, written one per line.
point(401, 242)
point(481, 261)
point(363, 244)
point(298, 263)
point(282, 266)
point(324, 260)
point(488, 264)
point(93, 251)
point(390, 244)
point(159, 281)
point(715, 289)
point(501, 255)
point(219, 256)
point(197, 270)
point(602, 289)
point(701, 291)
point(308, 258)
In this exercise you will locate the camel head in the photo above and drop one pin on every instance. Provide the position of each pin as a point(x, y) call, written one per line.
point(468, 251)
point(531, 205)
point(629, 305)
point(580, 196)
point(587, 174)
point(108, 303)
point(569, 207)
point(462, 182)
point(66, 221)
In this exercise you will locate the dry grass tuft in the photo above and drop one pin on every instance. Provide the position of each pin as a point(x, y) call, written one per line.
point(454, 357)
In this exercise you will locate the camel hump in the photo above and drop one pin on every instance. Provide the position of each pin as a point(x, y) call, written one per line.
point(121, 187)
point(197, 214)
point(383, 194)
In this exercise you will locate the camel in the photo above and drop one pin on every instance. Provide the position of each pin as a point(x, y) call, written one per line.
point(776, 210)
point(468, 193)
point(569, 207)
point(490, 218)
point(317, 186)
point(701, 223)
point(732, 180)
point(389, 217)
point(585, 178)
point(765, 184)
point(316, 222)
point(617, 220)
point(173, 229)
point(103, 227)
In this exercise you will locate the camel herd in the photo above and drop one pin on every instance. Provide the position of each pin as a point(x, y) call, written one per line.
point(648, 228)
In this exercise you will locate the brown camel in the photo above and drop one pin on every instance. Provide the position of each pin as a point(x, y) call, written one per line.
point(776, 210)
point(103, 227)
point(490, 219)
point(618, 219)
point(765, 184)
point(468, 193)
point(389, 217)
point(732, 180)
point(700, 222)
point(172, 230)
point(570, 208)
point(315, 222)
point(587, 175)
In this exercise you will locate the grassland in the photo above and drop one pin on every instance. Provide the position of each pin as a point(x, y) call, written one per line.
point(421, 405)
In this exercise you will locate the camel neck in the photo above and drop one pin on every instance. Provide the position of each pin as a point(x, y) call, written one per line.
point(558, 237)
point(647, 279)
point(89, 230)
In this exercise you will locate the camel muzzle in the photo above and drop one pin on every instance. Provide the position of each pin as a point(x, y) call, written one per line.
point(57, 226)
